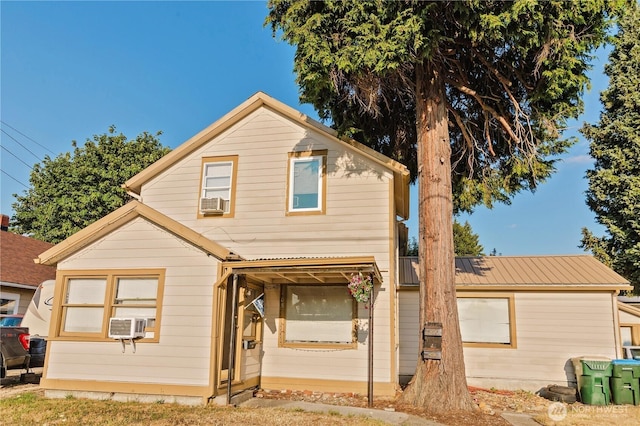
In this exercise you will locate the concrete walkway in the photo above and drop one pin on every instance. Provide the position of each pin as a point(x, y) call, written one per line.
point(390, 417)
point(519, 419)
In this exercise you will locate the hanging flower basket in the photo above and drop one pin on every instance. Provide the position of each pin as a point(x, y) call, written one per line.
point(360, 287)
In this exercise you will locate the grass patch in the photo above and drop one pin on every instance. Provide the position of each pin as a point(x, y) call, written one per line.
point(31, 408)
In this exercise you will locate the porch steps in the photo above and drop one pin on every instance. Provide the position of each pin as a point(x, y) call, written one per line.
point(236, 399)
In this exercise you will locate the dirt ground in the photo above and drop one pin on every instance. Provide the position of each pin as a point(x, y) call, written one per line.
point(491, 404)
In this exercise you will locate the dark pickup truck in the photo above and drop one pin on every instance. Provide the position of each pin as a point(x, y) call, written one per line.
point(14, 349)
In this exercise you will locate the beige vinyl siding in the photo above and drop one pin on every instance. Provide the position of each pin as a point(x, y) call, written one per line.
point(182, 356)
point(357, 222)
point(627, 318)
point(408, 333)
point(551, 328)
point(357, 194)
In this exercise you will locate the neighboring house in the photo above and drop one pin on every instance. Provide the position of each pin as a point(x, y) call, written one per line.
point(629, 324)
point(522, 318)
point(265, 205)
point(19, 276)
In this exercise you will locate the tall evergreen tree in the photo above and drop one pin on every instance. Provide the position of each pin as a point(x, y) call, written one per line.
point(465, 241)
point(614, 181)
point(471, 95)
point(72, 191)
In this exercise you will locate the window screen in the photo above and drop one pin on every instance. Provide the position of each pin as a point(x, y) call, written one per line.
point(484, 320)
point(318, 314)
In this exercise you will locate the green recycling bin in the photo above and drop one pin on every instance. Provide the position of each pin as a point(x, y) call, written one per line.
point(625, 381)
point(595, 389)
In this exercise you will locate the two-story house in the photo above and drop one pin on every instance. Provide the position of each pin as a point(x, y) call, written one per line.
point(265, 207)
point(229, 271)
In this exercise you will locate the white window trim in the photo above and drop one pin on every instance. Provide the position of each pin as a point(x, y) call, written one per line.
point(227, 200)
point(12, 296)
point(293, 161)
point(229, 204)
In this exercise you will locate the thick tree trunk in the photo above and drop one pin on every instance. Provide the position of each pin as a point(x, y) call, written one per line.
point(437, 385)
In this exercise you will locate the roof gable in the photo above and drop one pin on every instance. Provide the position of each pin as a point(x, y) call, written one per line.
point(118, 218)
point(16, 257)
point(261, 100)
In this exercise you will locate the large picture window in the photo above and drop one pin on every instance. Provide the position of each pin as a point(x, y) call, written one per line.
point(306, 182)
point(487, 321)
point(317, 315)
point(90, 298)
point(218, 181)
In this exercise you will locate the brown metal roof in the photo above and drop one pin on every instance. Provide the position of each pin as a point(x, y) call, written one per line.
point(16, 260)
point(305, 270)
point(522, 271)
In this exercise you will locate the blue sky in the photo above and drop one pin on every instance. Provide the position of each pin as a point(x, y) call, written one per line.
point(69, 70)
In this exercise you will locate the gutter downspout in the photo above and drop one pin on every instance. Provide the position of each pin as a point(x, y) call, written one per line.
point(616, 324)
point(232, 343)
point(370, 347)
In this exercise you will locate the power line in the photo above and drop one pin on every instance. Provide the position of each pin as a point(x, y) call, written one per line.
point(14, 178)
point(16, 141)
point(18, 131)
point(19, 159)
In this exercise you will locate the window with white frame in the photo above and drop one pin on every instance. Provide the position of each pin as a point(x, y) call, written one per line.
point(306, 182)
point(218, 176)
point(91, 299)
point(487, 321)
point(317, 315)
point(9, 303)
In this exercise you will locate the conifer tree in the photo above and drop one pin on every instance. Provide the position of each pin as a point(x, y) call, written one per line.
point(614, 181)
point(471, 95)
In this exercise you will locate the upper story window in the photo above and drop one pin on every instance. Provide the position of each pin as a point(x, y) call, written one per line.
point(307, 182)
point(217, 188)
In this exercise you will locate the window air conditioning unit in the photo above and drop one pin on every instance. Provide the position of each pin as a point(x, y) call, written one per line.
point(212, 205)
point(126, 328)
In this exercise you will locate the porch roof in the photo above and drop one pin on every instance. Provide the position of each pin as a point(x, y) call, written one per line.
point(328, 270)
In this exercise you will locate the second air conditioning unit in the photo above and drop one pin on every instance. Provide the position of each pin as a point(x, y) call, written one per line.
point(212, 205)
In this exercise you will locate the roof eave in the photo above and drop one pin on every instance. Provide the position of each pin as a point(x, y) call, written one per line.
point(613, 287)
point(114, 220)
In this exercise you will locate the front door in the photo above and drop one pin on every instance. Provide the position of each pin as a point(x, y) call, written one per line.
point(241, 322)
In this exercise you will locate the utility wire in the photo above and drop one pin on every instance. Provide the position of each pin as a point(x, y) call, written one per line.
point(18, 131)
point(16, 141)
point(16, 157)
point(14, 178)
